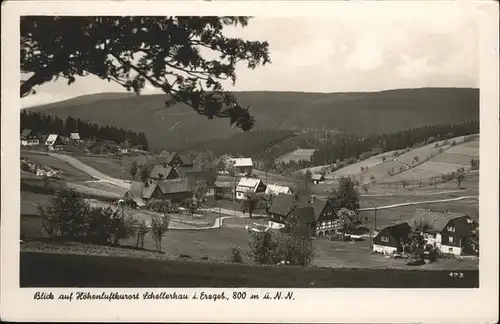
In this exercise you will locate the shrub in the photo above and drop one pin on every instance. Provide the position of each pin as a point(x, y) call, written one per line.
point(66, 215)
point(294, 249)
point(235, 255)
point(263, 248)
point(69, 216)
point(160, 206)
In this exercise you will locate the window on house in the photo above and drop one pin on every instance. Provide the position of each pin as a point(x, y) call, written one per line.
point(450, 239)
point(384, 239)
point(450, 229)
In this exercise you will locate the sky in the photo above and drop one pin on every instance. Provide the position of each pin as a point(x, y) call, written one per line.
point(340, 54)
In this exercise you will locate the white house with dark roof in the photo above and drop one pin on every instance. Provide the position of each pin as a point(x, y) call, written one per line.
point(27, 138)
point(53, 140)
point(75, 136)
point(249, 185)
point(243, 166)
point(448, 231)
point(275, 189)
point(317, 178)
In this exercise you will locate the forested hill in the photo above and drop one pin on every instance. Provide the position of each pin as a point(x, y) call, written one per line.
point(356, 113)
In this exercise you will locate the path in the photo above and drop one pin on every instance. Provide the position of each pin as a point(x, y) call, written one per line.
point(422, 193)
point(418, 203)
point(230, 212)
point(91, 171)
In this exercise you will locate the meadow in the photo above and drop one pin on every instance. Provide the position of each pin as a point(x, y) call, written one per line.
point(69, 172)
point(71, 270)
point(355, 168)
point(297, 155)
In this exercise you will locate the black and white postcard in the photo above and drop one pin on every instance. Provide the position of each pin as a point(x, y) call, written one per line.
point(232, 161)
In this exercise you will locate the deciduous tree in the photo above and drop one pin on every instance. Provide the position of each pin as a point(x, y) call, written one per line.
point(188, 58)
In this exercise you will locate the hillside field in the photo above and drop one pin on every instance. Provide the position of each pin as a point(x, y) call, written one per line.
point(425, 162)
point(357, 113)
point(297, 155)
point(68, 172)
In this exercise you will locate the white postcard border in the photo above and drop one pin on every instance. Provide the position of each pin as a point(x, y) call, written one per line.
point(325, 305)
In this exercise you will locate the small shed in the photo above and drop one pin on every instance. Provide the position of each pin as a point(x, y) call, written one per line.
point(317, 178)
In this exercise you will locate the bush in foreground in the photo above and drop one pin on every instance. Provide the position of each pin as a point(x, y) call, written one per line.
point(70, 217)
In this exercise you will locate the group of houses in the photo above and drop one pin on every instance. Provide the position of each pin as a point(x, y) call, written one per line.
point(444, 231)
point(51, 141)
point(173, 179)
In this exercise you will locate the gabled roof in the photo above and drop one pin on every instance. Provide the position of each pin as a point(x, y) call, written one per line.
point(398, 231)
point(305, 213)
point(25, 133)
point(208, 176)
point(184, 158)
point(160, 169)
point(135, 192)
point(282, 204)
point(74, 136)
point(51, 139)
point(318, 205)
point(242, 162)
point(317, 176)
point(276, 189)
point(174, 186)
point(437, 220)
point(249, 182)
point(147, 191)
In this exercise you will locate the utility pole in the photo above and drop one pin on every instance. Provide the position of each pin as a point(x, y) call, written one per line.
point(234, 193)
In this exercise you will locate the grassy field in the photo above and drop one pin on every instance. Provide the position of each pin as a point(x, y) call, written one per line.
point(103, 186)
point(358, 113)
point(386, 217)
point(116, 167)
point(355, 168)
point(68, 172)
point(297, 155)
point(431, 161)
point(59, 270)
point(30, 201)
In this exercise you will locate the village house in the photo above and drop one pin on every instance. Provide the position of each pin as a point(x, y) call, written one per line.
point(317, 178)
point(243, 166)
point(392, 238)
point(27, 138)
point(326, 220)
point(306, 218)
point(448, 231)
point(164, 172)
point(249, 185)
point(178, 160)
point(53, 142)
point(274, 189)
point(195, 176)
point(323, 222)
point(176, 191)
point(75, 137)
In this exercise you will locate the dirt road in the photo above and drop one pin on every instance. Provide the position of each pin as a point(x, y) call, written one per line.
point(91, 171)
